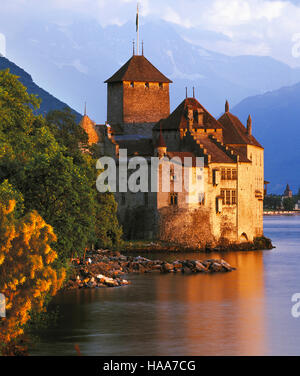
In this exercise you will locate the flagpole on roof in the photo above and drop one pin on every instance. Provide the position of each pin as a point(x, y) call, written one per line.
point(137, 29)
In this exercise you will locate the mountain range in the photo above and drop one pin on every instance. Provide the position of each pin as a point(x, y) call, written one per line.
point(72, 60)
point(49, 102)
point(276, 124)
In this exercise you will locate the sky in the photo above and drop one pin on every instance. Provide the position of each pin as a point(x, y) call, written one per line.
point(233, 27)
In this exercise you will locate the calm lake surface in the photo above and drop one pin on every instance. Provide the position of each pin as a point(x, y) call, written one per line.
point(246, 312)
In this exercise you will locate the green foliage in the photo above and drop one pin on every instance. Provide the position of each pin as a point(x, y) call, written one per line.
point(288, 204)
point(66, 131)
point(42, 163)
point(272, 202)
point(7, 193)
point(108, 230)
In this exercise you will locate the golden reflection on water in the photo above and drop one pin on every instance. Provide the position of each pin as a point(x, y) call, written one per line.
point(220, 308)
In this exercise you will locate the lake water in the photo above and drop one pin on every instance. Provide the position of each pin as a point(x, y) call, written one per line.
point(246, 312)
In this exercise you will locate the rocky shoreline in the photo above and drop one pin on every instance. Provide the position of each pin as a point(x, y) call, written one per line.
point(105, 268)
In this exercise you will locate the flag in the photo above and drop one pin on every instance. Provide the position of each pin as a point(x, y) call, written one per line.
point(137, 18)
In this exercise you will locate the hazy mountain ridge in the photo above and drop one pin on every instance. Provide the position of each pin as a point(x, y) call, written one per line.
point(49, 102)
point(72, 60)
point(276, 124)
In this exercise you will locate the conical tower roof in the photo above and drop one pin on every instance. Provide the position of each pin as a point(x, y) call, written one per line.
point(89, 126)
point(138, 69)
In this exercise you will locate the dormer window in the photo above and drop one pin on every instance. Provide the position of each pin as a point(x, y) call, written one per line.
point(147, 85)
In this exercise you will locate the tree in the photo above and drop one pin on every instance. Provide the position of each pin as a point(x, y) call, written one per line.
point(288, 204)
point(272, 202)
point(26, 272)
point(108, 230)
point(42, 159)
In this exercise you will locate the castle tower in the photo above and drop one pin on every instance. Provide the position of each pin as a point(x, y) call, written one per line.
point(288, 192)
point(137, 93)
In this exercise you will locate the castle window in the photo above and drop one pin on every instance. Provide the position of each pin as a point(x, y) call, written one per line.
point(228, 174)
point(233, 197)
point(201, 198)
point(173, 199)
point(131, 84)
point(147, 85)
point(227, 197)
point(223, 174)
point(222, 196)
point(234, 174)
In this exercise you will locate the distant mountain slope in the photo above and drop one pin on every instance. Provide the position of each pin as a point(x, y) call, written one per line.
point(276, 124)
point(49, 102)
point(73, 59)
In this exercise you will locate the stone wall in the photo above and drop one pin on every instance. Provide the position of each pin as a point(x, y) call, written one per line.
point(190, 228)
point(143, 104)
point(115, 103)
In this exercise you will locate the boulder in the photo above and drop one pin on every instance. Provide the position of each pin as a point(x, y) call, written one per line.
point(167, 268)
point(200, 267)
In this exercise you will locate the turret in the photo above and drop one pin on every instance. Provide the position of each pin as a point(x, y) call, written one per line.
point(227, 106)
point(161, 147)
point(249, 126)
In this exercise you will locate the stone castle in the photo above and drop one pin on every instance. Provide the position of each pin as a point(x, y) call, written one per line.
point(139, 120)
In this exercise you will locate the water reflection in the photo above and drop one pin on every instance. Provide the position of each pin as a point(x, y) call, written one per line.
point(246, 312)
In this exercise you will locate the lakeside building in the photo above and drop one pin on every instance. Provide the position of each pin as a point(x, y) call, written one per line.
point(139, 120)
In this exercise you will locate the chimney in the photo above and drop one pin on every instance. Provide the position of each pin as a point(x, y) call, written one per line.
point(249, 126)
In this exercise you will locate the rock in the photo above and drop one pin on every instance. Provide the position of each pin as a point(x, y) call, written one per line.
point(156, 267)
point(216, 267)
point(200, 267)
point(177, 265)
point(167, 268)
point(186, 270)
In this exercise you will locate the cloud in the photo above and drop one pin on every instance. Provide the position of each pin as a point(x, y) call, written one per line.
point(263, 27)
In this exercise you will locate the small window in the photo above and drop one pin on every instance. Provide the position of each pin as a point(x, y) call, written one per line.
point(147, 85)
point(223, 196)
point(201, 198)
point(233, 197)
point(223, 174)
point(228, 174)
point(131, 84)
point(161, 85)
point(173, 199)
point(234, 174)
point(227, 197)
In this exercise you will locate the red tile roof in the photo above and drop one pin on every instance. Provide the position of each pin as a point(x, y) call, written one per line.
point(178, 118)
point(234, 132)
point(181, 155)
point(138, 69)
point(217, 154)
